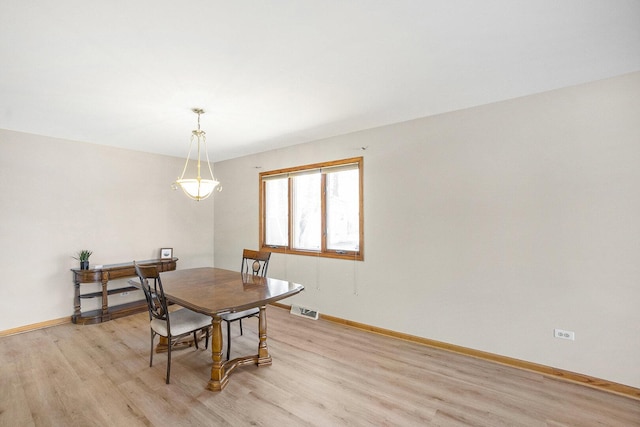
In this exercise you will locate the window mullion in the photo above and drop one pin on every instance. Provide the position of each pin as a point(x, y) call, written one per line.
point(290, 202)
point(323, 212)
point(262, 225)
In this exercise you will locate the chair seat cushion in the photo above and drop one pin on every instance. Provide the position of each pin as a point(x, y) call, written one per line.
point(230, 317)
point(182, 321)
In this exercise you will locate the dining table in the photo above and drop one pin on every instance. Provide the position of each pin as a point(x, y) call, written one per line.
point(214, 292)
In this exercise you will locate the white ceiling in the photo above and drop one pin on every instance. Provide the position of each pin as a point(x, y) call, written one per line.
point(273, 73)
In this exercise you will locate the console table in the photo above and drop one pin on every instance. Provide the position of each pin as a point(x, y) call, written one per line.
point(103, 275)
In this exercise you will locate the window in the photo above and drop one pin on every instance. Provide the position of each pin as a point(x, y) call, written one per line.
point(313, 210)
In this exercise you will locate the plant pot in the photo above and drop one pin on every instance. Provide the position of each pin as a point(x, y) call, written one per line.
point(84, 265)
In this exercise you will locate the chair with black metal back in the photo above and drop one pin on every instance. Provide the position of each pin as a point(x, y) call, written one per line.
point(256, 263)
point(171, 325)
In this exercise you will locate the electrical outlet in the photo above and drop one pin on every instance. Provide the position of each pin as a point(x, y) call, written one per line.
point(565, 335)
point(124, 293)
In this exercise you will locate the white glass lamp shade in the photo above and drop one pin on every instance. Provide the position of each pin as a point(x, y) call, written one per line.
point(197, 188)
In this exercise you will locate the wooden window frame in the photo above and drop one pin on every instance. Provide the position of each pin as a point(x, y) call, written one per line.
point(323, 252)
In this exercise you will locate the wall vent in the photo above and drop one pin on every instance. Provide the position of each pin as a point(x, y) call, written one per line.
point(304, 312)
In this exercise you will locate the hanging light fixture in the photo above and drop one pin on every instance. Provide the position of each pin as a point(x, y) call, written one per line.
point(197, 188)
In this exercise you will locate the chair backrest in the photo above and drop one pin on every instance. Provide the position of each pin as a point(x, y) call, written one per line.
point(154, 294)
point(255, 262)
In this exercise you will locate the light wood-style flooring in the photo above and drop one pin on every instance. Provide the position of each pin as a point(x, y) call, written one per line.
point(323, 374)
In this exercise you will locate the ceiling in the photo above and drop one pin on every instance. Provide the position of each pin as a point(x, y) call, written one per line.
point(273, 73)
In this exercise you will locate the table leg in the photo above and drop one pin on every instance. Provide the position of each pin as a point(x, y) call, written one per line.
point(264, 358)
point(105, 298)
point(220, 371)
point(76, 302)
point(219, 378)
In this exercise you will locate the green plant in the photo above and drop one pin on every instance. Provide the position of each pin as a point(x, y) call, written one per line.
point(83, 255)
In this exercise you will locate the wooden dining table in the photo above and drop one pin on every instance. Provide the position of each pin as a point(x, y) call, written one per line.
point(215, 291)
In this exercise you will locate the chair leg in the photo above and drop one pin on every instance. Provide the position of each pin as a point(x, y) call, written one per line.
point(206, 343)
point(228, 340)
point(240, 326)
point(195, 338)
point(170, 344)
point(151, 352)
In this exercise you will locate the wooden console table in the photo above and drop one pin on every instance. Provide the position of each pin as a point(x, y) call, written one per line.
point(103, 275)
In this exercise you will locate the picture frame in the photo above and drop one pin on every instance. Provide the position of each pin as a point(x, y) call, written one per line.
point(166, 253)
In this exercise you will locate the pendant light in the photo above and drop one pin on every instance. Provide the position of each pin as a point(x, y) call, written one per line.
point(198, 188)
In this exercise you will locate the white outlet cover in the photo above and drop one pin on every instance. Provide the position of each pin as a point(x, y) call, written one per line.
point(565, 335)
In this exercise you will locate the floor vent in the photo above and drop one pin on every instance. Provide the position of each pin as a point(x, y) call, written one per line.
point(304, 312)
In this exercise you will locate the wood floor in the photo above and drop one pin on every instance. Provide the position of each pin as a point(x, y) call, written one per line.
point(323, 374)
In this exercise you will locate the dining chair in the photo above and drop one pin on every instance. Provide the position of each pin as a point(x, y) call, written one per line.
point(171, 325)
point(256, 263)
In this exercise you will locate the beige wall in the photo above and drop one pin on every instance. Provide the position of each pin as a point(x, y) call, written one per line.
point(60, 196)
point(485, 228)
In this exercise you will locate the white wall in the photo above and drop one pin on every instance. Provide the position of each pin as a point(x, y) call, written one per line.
point(59, 197)
point(485, 228)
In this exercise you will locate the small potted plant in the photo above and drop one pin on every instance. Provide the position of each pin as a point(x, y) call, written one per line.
point(83, 257)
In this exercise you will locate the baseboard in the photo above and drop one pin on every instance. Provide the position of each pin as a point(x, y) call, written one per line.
point(35, 326)
point(600, 384)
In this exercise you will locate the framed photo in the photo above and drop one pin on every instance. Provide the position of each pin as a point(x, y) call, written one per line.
point(166, 253)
